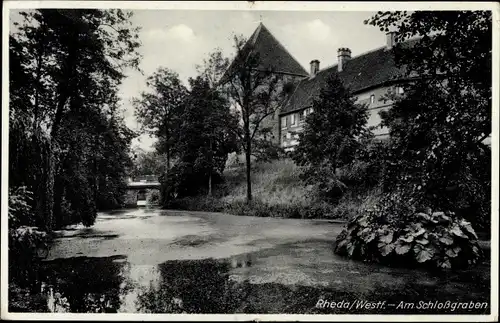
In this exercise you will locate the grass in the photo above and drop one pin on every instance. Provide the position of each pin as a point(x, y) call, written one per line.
point(277, 191)
point(273, 183)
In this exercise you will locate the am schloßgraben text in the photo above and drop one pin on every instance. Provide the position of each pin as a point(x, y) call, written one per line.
point(380, 305)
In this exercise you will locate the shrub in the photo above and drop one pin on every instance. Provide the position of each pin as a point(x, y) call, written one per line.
point(153, 197)
point(25, 239)
point(23, 236)
point(23, 242)
point(429, 239)
point(197, 203)
point(20, 211)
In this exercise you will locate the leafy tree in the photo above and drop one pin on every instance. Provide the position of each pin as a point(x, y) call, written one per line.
point(331, 136)
point(205, 139)
point(71, 62)
point(158, 111)
point(148, 163)
point(213, 68)
point(256, 95)
point(439, 126)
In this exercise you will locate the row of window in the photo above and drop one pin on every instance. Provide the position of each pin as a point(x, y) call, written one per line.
point(399, 90)
point(290, 135)
point(295, 118)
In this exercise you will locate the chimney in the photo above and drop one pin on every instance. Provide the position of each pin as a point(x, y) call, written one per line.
point(314, 68)
point(344, 54)
point(391, 39)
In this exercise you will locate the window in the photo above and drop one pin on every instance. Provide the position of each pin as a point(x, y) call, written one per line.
point(283, 122)
point(372, 98)
point(302, 115)
point(292, 122)
point(400, 90)
point(288, 135)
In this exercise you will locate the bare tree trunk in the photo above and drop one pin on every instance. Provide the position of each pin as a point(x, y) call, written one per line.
point(210, 184)
point(49, 186)
point(37, 89)
point(248, 153)
point(168, 160)
point(210, 168)
point(64, 94)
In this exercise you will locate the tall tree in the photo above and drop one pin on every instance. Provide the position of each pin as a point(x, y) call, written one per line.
point(331, 136)
point(255, 95)
point(213, 67)
point(148, 163)
point(205, 138)
point(158, 111)
point(438, 128)
point(73, 60)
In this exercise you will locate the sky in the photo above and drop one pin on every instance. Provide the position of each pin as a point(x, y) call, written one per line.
point(181, 39)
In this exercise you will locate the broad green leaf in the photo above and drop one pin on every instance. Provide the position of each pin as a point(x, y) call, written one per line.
point(422, 241)
point(416, 226)
point(468, 228)
point(447, 240)
point(451, 253)
point(407, 238)
point(369, 237)
point(402, 249)
point(424, 255)
point(419, 232)
point(363, 232)
point(386, 249)
point(387, 238)
point(445, 218)
point(445, 264)
point(457, 231)
point(437, 214)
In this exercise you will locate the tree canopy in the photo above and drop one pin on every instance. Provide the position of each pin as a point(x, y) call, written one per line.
point(439, 126)
point(66, 67)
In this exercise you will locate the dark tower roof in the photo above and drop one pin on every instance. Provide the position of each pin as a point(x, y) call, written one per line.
point(272, 55)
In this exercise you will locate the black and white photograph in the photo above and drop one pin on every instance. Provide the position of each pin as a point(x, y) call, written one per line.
point(250, 160)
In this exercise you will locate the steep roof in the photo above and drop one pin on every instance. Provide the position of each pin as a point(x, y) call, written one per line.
point(272, 54)
point(368, 70)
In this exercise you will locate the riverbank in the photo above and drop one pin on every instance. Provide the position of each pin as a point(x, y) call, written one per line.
point(277, 191)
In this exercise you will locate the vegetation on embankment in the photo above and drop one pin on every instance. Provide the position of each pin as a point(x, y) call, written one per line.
point(278, 191)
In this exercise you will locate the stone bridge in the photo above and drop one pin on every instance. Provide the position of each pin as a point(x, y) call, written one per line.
point(139, 188)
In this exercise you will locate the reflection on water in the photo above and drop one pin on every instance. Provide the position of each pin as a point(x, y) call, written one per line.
point(112, 284)
point(84, 285)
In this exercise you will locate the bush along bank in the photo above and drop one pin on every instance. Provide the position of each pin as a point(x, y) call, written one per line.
point(257, 208)
point(423, 238)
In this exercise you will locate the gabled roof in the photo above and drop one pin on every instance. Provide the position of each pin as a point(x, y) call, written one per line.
point(272, 55)
point(365, 71)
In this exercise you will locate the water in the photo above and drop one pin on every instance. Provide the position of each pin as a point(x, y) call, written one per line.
point(114, 285)
point(146, 262)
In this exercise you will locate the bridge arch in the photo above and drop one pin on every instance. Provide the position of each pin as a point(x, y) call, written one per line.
point(137, 192)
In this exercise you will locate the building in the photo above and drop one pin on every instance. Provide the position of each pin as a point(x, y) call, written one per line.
point(370, 76)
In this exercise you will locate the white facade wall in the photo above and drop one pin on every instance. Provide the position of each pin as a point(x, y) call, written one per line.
point(374, 99)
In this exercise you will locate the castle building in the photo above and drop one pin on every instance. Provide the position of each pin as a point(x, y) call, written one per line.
point(369, 76)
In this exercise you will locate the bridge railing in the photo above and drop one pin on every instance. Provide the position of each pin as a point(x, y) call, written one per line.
point(144, 178)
